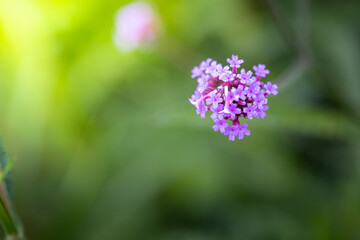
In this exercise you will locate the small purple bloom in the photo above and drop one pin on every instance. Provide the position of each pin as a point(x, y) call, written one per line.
point(234, 61)
point(227, 76)
point(261, 93)
point(215, 99)
point(205, 64)
point(220, 124)
point(214, 69)
point(232, 95)
point(262, 113)
point(216, 112)
point(234, 110)
point(218, 71)
point(260, 70)
point(242, 129)
point(250, 111)
point(232, 132)
point(271, 88)
point(211, 68)
point(196, 72)
point(245, 76)
point(201, 109)
point(252, 91)
point(203, 83)
point(251, 80)
point(222, 70)
point(260, 101)
point(241, 92)
point(197, 95)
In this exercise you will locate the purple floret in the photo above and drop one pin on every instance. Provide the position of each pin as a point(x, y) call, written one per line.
point(260, 101)
point(202, 83)
point(232, 132)
point(250, 111)
point(260, 70)
point(196, 72)
point(242, 129)
point(227, 76)
point(201, 109)
point(271, 88)
point(252, 91)
point(215, 99)
point(205, 64)
point(216, 112)
point(245, 76)
point(233, 111)
point(220, 124)
point(235, 61)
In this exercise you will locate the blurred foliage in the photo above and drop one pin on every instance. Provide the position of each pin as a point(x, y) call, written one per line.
point(107, 146)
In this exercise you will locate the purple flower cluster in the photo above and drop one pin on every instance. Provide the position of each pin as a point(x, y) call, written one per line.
point(230, 95)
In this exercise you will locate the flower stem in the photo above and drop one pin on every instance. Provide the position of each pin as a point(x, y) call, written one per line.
point(8, 218)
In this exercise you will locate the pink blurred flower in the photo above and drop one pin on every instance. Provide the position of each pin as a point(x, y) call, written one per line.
point(136, 26)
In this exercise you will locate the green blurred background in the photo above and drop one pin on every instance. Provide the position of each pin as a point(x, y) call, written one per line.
point(107, 146)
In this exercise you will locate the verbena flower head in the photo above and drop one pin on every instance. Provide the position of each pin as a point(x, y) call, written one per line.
point(231, 95)
point(136, 25)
